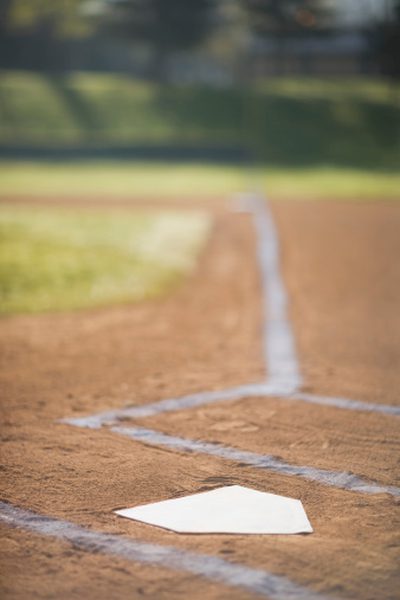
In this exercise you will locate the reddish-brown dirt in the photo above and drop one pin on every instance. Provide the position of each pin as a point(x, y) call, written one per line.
point(339, 262)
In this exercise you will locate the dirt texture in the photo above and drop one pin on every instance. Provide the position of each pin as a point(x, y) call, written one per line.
point(340, 265)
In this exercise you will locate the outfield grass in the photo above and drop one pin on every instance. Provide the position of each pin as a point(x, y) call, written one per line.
point(331, 183)
point(61, 259)
point(287, 122)
point(313, 138)
point(111, 179)
point(117, 179)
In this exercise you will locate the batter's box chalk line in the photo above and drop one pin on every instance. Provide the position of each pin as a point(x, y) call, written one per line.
point(212, 568)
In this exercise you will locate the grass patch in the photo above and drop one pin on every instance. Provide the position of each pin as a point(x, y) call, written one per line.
point(117, 179)
point(288, 122)
point(111, 179)
point(314, 138)
point(331, 183)
point(61, 259)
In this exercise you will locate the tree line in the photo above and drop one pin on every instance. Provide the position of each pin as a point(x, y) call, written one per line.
point(165, 27)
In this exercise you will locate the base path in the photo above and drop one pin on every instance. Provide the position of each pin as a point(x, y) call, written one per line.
point(340, 339)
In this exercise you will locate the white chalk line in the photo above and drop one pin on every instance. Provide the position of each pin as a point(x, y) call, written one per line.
point(338, 479)
point(255, 390)
point(168, 405)
point(212, 568)
point(280, 356)
point(346, 403)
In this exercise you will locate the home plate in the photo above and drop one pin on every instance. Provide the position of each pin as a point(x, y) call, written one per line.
point(230, 509)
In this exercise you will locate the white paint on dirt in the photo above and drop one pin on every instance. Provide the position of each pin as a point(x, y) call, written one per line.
point(281, 362)
point(252, 390)
point(218, 570)
point(170, 405)
point(338, 479)
point(346, 403)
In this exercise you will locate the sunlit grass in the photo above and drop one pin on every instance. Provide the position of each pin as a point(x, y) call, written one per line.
point(61, 259)
point(109, 179)
point(367, 89)
point(289, 122)
point(116, 179)
point(331, 183)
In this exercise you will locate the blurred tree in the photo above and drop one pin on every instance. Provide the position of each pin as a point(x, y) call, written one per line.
point(40, 34)
point(280, 20)
point(5, 9)
point(285, 16)
point(61, 17)
point(387, 36)
point(165, 26)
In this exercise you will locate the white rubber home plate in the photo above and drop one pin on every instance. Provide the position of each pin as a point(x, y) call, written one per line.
point(231, 509)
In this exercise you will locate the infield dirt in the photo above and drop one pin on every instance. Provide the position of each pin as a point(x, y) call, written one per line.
point(340, 265)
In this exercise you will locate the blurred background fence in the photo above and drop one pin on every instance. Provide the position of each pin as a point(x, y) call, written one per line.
point(288, 82)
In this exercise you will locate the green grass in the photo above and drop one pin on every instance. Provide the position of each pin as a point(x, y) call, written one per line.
point(42, 110)
point(331, 183)
point(61, 259)
point(313, 138)
point(117, 179)
point(111, 179)
point(288, 122)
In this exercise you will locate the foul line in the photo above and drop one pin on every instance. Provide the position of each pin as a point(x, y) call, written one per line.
point(264, 583)
point(281, 363)
point(338, 479)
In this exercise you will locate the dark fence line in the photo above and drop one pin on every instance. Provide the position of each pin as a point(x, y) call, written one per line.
point(332, 53)
point(164, 153)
